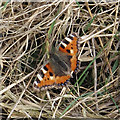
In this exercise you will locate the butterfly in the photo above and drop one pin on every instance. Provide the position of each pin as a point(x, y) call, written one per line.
point(61, 64)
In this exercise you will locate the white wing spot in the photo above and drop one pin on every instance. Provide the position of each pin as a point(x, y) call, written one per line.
point(71, 51)
point(39, 77)
point(35, 82)
point(72, 35)
point(68, 39)
point(51, 77)
point(63, 44)
point(44, 71)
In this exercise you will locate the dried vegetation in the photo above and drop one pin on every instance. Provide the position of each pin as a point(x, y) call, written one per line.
point(26, 28)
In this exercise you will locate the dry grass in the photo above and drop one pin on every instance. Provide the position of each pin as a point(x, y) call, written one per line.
point(25, 30)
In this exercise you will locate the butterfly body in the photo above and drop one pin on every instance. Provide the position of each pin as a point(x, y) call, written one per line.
point(60, 66)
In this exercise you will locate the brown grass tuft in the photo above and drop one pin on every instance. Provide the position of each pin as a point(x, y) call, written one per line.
point(27, 29)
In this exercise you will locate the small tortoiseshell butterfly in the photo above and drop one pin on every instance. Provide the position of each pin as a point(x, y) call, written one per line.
point(60, 66)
